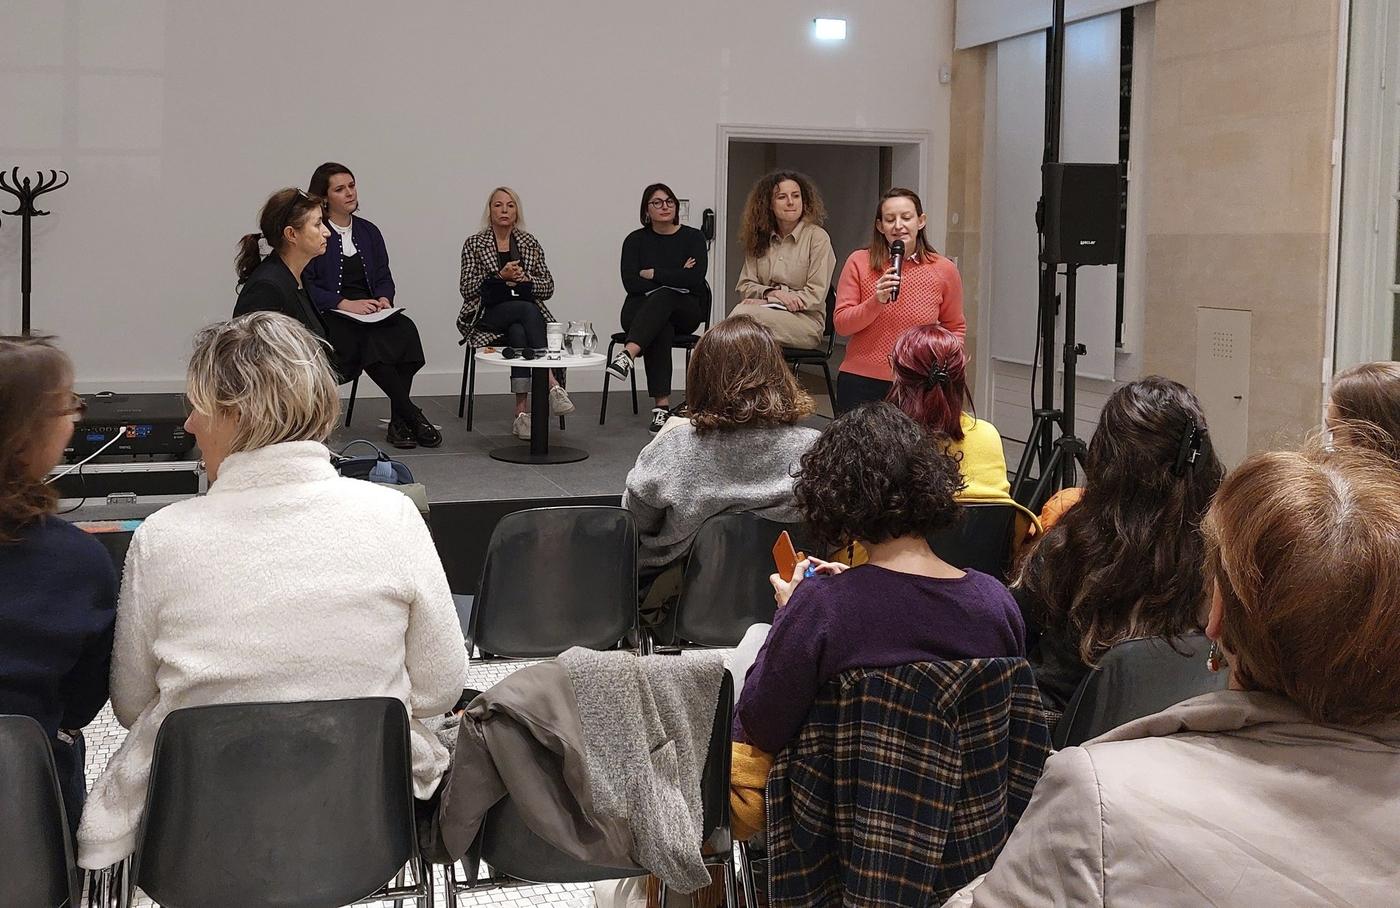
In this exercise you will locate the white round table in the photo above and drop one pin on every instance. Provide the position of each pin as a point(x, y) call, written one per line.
point(538, 450)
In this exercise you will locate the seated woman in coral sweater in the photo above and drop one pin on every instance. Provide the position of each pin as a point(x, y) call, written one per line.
point(875, 305)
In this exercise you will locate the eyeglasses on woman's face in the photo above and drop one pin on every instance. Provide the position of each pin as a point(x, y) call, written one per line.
point(75, 409)
point(660, 204)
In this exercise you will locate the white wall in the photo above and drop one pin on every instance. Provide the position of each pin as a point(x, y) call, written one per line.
point(176, 120)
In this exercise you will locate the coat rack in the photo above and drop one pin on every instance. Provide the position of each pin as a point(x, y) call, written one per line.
point(27, 192)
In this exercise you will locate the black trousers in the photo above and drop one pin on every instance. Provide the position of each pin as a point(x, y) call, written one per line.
point(521, 322)
point(652, 323)
point(854, 390)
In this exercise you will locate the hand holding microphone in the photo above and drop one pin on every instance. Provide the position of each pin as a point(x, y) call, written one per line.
point(887, 287)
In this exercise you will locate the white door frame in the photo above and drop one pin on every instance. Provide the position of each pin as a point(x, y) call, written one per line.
point(825, 135)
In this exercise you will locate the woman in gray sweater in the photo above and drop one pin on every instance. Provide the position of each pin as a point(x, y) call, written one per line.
point(736, 451)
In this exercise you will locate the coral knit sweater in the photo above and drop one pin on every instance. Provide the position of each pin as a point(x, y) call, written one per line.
point(930, 291)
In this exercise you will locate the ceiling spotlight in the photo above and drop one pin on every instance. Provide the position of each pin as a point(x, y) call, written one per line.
point(829, 29)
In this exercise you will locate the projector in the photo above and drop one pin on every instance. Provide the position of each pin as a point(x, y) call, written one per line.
point(151, 425)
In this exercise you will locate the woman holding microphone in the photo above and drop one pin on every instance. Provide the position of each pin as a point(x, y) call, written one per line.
point(877, 302)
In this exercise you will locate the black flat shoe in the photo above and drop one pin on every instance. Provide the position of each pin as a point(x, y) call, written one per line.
point(425, 432)
point(401, 435)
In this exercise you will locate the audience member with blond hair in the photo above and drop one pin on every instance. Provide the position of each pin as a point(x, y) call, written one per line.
point(60, 589)
point(1284, 789)
point(1365, 407)
point(736, 449)
point(285, 582)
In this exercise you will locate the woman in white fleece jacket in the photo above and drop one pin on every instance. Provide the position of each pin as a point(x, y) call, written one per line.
point(286, 582)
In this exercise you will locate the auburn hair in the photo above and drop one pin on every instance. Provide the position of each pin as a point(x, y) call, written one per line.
point(1366, 407)
point(880, 247)
point(1303, 550)
point(33, 376)
point(758, 224)
point(737, 377)
point(1126, 560)
point(930, 379)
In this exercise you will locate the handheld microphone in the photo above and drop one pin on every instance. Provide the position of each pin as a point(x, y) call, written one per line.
point(896, 262)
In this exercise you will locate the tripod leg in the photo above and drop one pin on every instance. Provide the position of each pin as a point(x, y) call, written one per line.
point(1048, 477)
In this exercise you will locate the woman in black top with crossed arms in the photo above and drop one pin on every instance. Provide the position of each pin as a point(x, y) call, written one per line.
point(663, 269)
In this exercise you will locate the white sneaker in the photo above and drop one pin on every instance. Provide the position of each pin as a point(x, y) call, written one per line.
point(620, 367)
point(559, 403)
point(659, 415)
point(521, 427)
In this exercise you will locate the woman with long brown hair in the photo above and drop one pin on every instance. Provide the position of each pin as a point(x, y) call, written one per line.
point(875, 304)
point(60, 589)
point(788, 259)
point(1126, 560)
point(1365, 407)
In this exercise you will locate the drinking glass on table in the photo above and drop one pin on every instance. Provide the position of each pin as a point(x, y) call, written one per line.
point(554, 339)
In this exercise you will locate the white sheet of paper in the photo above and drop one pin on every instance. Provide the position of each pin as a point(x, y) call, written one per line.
point(373, 317)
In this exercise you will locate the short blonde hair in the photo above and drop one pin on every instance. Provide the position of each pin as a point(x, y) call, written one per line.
point(514, 197)
point(270, 374)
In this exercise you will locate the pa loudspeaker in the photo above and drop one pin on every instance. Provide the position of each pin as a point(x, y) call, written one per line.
point(1081, 213)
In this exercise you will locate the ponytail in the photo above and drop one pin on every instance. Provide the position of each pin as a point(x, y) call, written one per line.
point(249, 257)
point(285, 208)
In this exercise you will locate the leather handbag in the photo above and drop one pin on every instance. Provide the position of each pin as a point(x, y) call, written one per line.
point(376, 467)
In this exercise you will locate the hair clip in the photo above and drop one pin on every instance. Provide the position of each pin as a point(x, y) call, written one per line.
point(937, 375)
point(1188, 451)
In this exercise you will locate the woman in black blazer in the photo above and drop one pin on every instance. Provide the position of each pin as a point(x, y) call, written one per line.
point(291, 224)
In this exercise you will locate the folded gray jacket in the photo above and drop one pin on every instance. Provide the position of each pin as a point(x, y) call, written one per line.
point(601, 753)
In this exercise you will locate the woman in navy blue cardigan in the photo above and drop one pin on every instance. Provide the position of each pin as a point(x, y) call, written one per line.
point(60, 589)
point(353, 276)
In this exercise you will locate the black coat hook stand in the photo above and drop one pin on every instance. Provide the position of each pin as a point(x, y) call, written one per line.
point(27, 191)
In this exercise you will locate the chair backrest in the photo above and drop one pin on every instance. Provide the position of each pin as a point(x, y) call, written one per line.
point(287, 804)
point(725, 587)
point(1137, 678)
point(36, 861)
point(829, 330)
point(510, 847)
point(556, 578)
point(981, 540)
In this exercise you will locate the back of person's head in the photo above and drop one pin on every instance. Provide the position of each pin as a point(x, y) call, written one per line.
point(737, 377)
point(34, 378)
point(876, 475)
point(759, 223)
point(930, 379)
point(1365, 407)
point(285, 208)
point(1303, 550)
point(1126, 560)
point(270, 375)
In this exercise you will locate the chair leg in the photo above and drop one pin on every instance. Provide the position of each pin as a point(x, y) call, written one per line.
point(462, 395)
point(727, 868)
point(428, 881)
point(471, 393)
point(603, 411)
point(746, 876)
point(350, 407)
point(635, 411)
point(398, 882)
point(830, 388)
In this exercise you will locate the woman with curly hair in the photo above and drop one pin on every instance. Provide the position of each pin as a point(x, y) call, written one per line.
point(735, 450)
point(788, 259)
point(1125, 561)
point(60, 599)
point(1365, 407)
point(875, 477)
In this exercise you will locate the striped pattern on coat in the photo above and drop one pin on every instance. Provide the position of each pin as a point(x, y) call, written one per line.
point(904, 783)
point(479, 261)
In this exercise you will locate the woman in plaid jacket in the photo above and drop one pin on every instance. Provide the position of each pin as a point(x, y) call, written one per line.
point(505, 283)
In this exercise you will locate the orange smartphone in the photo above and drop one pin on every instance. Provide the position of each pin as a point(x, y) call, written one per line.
point(785, 557)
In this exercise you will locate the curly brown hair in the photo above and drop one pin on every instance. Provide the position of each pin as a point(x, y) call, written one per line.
point(737, 377)
point(875, 475)
point(758, 224)
point(1126, 561)
point(33, 375)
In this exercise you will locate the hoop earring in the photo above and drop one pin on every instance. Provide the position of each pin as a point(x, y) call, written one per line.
point(1215, 659)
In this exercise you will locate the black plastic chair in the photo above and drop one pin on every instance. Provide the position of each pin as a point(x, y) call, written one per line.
point(820, 356)
point(984, 540)
point(684, 342)
point(725, 587)
point(467, 398)
point(555, 578)
point(36, 861)
point(350, 404)
point(298, 805)
point(1137, 678)
point(519, 857)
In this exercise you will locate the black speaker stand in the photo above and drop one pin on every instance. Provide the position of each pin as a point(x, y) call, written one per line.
point(1057, 455)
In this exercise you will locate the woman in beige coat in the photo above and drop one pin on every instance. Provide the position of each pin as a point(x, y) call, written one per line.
point(1284, 789)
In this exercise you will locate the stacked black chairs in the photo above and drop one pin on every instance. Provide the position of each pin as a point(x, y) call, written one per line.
point(554, 578)
point(1137, 678)
point(36, 859)
point(299, 805)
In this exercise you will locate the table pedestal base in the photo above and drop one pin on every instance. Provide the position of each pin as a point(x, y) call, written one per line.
point(538, 450)
point(555, 454)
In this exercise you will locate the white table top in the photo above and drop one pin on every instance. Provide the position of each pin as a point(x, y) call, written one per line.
point(565, 361)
